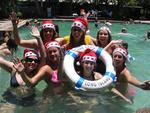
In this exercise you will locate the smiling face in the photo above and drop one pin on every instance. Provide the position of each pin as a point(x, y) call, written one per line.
point(53, 54)
point(31, 64)
point(103, 37)
point(76, 33)
point(88, 66)
point(48, 34)
point(118, 59)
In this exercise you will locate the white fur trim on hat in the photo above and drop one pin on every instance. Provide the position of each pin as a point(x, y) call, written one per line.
point(79, 24)
point(89, 58)
point(48, 25)
point(105, 28)
point(122, 51)
point(52, 44)
point(29, 53)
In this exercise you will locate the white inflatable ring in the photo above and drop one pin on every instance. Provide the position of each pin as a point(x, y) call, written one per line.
point(81, 83)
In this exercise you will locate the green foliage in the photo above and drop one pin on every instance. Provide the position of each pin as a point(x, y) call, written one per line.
point(19, 14)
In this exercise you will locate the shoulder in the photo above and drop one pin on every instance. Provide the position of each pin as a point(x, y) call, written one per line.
point(97, 75)
point(88, 39)
point(67, 37)
point(126, 73)
point(88, 36)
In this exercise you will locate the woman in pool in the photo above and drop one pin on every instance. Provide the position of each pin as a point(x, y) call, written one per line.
point(88, 63)
point(47, 33)
point(7, 44)
point(87, 70)
point(54, 57)
point(124, 76)
point(30, 65)
point(104, 40)
point(78, 35)
point(52, 73)
point(103, 37)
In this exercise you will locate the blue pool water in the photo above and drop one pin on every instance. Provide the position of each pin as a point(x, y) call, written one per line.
point(98, 102)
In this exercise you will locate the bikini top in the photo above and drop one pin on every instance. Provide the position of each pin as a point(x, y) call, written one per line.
point(13, 81)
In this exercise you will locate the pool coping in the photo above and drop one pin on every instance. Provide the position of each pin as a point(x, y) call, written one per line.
point(92, 20)
point(6, 25)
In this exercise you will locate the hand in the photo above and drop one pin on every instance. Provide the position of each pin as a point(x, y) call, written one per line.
point(35, 32)
point(18, 65)
point(14, 18)
point(117, 41)
point(146, 85)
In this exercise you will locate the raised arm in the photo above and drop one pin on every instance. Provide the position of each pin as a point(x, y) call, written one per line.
point(40, 75)
point(111, 45)
point(35, 33)
point(25, 43)
point(6, 65)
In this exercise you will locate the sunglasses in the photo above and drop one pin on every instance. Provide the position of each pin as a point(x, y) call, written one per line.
point(31, 60)
point(76, 29)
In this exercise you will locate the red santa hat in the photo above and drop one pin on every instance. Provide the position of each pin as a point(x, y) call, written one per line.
point(52, 44)
point(81, 23)
point(30, 54)
point(123, 51)
point(88, 55)
point(48, 24)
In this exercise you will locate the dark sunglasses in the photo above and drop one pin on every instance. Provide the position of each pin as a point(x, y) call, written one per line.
point(77, 29)
point(31, 60)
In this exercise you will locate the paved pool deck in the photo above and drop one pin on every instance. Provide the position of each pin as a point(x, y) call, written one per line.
point(6, 25)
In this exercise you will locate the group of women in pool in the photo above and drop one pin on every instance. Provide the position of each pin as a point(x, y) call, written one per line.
point(43, 58)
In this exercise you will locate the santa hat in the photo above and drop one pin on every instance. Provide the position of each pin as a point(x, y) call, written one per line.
point(48, 24)
point(105, 28)
point(123, 51)
point(52, 44)
point(81, 23)
point(88, 55)
point(30, 54)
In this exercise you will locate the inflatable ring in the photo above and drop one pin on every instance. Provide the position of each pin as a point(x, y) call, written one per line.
point(81, 83)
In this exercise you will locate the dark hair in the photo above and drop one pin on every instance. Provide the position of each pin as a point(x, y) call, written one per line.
point(4, 34)
point(148, 34)
point(27, 23)
point(41, 34)
point(81, 42)
point(12, 46)
point(125, 45)
point(81, 72)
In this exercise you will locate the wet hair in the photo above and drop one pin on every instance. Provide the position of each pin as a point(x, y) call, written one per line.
point(124, 30)
point(148, 34)
point(57, 30)
point(12, 46)
point(125, 45)
point(27, 23)
point(4, 35)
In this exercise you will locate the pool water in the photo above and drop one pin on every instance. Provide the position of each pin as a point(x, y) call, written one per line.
point(81, 102)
